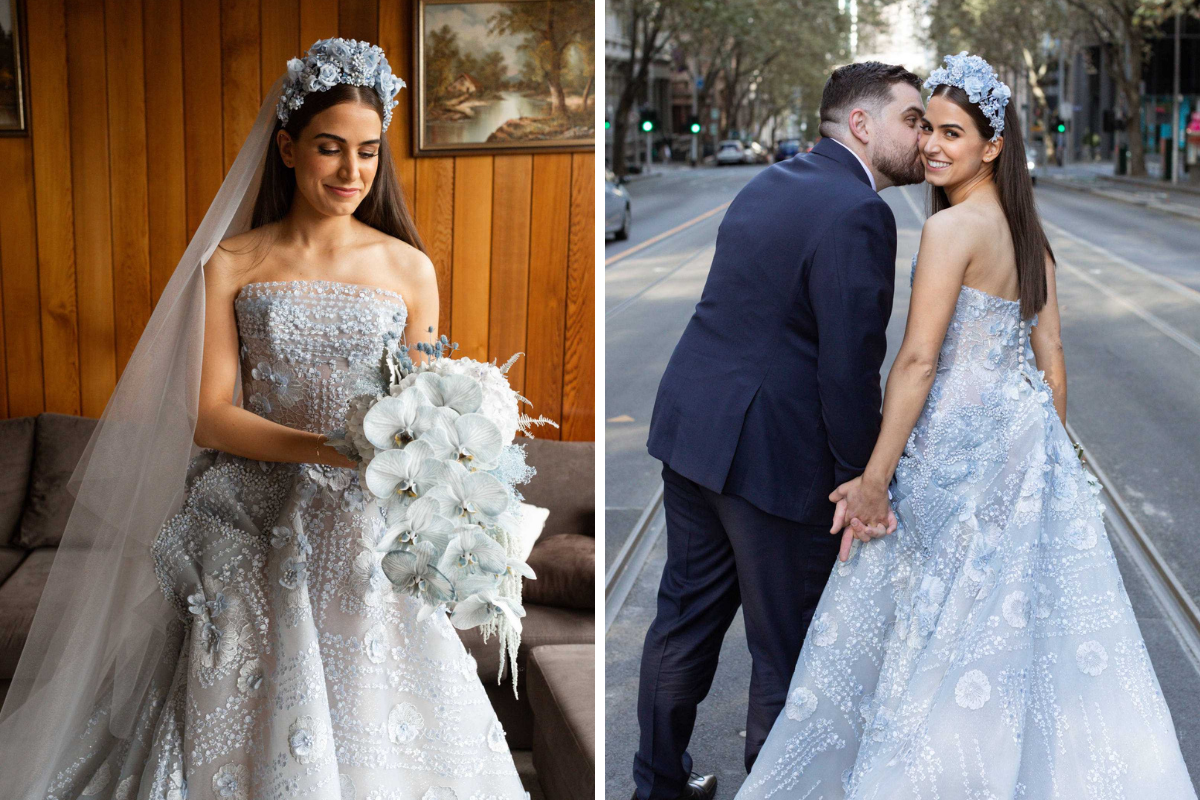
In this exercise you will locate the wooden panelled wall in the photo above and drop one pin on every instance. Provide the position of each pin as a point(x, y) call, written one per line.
point(138, 109)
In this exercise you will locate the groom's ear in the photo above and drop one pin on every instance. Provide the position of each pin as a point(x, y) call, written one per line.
point(859, 123)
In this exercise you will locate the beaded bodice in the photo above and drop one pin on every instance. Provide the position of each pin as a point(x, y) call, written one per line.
point(309, 346)
point(986, 335)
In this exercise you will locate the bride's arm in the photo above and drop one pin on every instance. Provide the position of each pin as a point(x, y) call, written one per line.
point(420, 290)
point(1046, 340)
point(221, 425)
point(942, 261)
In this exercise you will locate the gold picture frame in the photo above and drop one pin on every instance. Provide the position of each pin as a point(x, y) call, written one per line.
point(507, 81)
point(14, 99)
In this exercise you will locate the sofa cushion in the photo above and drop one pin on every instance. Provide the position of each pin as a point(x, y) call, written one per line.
point(565, 483)
point(565, 566)
point(562, 691)
point(10, 558)
point(19, 597)
point(16, 458)
point(59, 442)
point(541, 625)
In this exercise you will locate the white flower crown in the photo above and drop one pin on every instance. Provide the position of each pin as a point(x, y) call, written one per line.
point(981, 83)
point(333, 61)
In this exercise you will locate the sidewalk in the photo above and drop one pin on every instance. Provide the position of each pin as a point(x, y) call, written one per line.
point(659, 170)
point(1096, 177)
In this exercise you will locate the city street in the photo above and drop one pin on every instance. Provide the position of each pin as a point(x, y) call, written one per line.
point(1129, 292)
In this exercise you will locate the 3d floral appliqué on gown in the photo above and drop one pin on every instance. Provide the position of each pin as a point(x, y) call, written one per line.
point(987, 649)
point(298, 673)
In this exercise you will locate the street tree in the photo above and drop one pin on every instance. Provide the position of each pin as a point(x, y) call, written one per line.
point(646, 26)
point(1127, 28)
point(1007, 33)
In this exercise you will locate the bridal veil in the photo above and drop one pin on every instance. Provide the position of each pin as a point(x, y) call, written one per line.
point(102, 623)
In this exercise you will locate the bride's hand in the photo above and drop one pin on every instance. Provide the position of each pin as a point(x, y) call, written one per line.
point(857, 502)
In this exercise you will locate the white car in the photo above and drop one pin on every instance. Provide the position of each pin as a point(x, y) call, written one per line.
point(730, 151)
point(617, 209)
point(756, 154)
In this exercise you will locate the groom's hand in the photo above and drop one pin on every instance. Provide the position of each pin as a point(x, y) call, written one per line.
point(862, 513)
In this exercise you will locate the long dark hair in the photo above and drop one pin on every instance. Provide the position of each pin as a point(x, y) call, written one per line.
point(1013, 184)
point(383, 208)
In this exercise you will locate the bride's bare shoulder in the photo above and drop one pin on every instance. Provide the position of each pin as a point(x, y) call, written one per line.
point(235, 257)
point(409, 268)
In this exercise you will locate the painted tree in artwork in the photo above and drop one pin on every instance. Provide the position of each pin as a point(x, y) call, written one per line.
point(550, 30)
point(441, 57)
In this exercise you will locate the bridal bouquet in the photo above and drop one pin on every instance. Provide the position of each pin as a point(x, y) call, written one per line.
point(437, 455)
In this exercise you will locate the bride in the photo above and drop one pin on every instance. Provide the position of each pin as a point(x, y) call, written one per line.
point(986, 649)
point(212, 625)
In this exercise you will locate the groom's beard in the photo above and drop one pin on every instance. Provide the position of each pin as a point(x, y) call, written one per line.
point(901, 167)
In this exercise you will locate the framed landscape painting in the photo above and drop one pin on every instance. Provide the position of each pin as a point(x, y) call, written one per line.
point(13, 119)
point(509, 76)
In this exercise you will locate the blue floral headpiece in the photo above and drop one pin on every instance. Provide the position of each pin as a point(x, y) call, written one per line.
point(981, 83)
point(333, 61)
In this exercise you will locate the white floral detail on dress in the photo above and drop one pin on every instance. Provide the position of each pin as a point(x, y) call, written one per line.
point(405, 723)
point(306, 739)
point(439, 793)
point(495, 737)
point(100, 780)
point(178, 790)
point(824, 630)
point(801, 704)
point(1091, 657)
point(973, 690)
point(251, 677)
point(232, 782)
point(347, 786)
point(375, 644)
point(1016, 609)
point(125, 789)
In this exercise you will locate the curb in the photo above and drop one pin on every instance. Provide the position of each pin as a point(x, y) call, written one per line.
point(1062, 183)
point(1151, 183)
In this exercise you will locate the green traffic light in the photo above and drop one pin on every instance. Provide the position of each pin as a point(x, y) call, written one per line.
point(1062, 128)
point(695, 127)
point(647, 126)
point(607, 124)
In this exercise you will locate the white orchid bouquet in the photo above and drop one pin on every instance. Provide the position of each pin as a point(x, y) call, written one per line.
point(437, 454)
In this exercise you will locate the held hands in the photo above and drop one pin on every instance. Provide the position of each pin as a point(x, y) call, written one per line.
point(863, 512)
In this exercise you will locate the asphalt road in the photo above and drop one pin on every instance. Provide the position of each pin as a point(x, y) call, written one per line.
point(1129, 291)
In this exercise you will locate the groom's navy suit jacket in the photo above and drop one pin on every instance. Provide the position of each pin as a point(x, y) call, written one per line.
point(772, 393)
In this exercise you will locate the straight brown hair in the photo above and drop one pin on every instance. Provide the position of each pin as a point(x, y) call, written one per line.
point(1013, 184)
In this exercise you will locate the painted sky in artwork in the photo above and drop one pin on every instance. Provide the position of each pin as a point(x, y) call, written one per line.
point(470, 21)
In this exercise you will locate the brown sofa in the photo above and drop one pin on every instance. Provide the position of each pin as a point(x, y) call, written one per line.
point(562, 685)
point(41, 452)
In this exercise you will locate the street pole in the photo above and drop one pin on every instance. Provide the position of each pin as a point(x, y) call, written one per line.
point(1062, 103)
point(649, 152)
point(1174, 149)
point(695, 115)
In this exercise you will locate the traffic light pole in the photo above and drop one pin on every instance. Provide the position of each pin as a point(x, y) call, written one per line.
point(649, 152)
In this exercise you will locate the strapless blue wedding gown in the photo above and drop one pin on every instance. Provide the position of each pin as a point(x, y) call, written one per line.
point(987, 649)
point(293, 670)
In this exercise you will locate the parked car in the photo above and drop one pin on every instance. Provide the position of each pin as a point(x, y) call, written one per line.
point(730, 151)
point(617, 207)
point(786, 149)
point(756, 154)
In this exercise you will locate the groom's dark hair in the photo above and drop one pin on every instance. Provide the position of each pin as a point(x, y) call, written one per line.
point(867, 83)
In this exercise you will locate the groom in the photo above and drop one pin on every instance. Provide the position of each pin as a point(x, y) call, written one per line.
point(770, 400)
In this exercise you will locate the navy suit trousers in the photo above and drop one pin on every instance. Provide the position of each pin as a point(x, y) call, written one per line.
point(722, 552)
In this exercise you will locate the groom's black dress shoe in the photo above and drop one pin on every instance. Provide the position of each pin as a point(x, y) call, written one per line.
point(699, 787)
